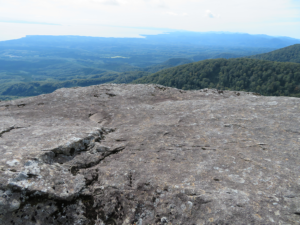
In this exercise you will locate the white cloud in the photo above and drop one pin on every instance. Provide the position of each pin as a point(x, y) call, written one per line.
point(176, 14)
point(172, 13)
point(111, 2)
point(209, 14)
point(106, 2)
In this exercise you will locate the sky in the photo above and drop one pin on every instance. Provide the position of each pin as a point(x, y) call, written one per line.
point(133, 18)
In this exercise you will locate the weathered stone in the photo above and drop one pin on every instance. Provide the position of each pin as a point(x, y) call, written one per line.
point(148, 154)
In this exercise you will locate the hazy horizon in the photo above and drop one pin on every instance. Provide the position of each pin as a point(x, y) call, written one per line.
point(133, 18)
point(133, 33)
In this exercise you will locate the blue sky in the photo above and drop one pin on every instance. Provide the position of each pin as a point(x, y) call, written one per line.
point(129, 18)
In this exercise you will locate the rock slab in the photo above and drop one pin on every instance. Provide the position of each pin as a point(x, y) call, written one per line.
point(149, 154)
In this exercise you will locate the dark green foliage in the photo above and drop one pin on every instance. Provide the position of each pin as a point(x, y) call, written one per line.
point(287, 54)
point(264, 77)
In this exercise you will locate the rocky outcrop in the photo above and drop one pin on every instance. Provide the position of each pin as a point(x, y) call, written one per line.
point(148, 154)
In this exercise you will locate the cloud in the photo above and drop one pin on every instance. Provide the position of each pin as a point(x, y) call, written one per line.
point(176, 14)
point(106, 2)
point(26, 22)
point(209, 14)
point(172, 13)
point(111, 2)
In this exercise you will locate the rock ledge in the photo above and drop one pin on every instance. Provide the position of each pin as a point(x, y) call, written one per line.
point(149, 154)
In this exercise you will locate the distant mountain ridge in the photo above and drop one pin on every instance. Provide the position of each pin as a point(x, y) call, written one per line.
point(223, 39)
point(287, 54)
point(173, 38)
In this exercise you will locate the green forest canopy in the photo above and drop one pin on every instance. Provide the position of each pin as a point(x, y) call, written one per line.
point(287, 54)
point(242, 74)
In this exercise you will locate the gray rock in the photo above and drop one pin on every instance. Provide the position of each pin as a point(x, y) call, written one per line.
point(148, 154)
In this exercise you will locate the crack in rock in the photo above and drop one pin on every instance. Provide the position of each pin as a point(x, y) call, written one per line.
point(74, 169)
point(6, 130)
point(69, 151)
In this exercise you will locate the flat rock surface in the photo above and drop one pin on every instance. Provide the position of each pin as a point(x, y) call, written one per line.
point(148, 154)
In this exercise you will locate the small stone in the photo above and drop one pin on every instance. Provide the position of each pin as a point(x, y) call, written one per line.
point(164, 220)
point(21, 176)
point(2, 201)
point(190, 204)
point(183, 207)
point(102, 149)
point(13, 162)
point(14, 205)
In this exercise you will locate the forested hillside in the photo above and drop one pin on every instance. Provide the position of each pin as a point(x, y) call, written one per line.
point(287, 54)
point(242, 74)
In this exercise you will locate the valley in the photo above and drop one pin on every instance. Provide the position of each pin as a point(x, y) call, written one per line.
point(37, 65)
